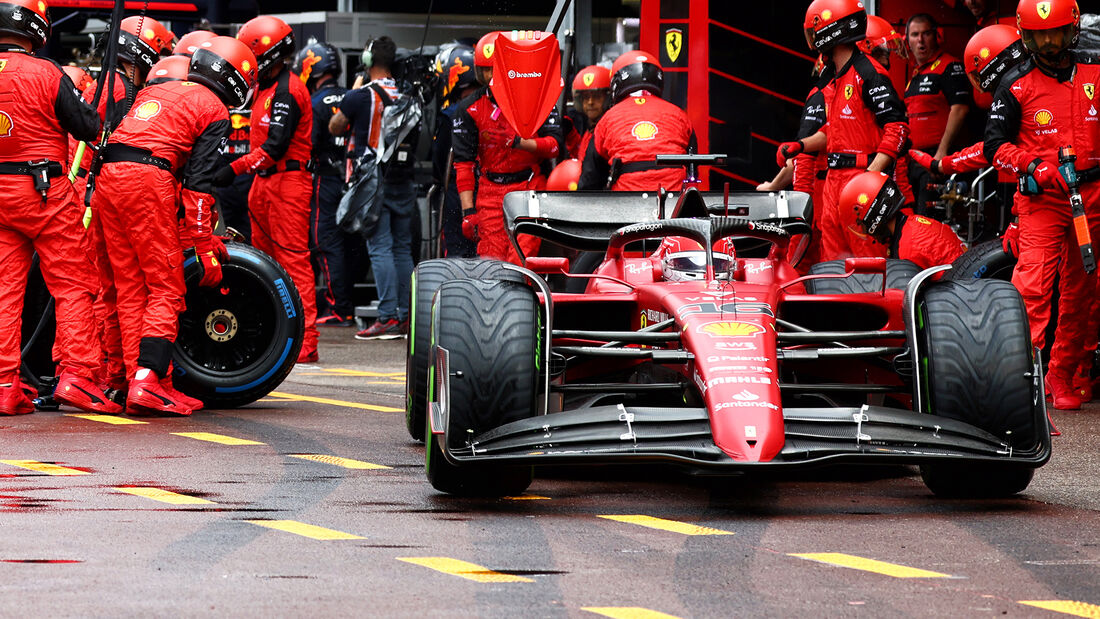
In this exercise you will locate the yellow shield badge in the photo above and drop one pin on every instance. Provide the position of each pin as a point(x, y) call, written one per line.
point(848, 90)
point(1043, 9)
point(1090, 90)
point(674, 42)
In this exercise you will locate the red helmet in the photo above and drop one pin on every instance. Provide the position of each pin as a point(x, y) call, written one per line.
point(169, 69)
point(832, 22)
point(880, 33)
point(79, 76)
point(483, 51)
point(27, 19)
point(875, 198)
point(565, 176)
point(635, 71)
point(593, 77)
point(270, 39)
point(990, 54)
point(226, 66)
point(192, 41)
point(1035, 15)
point(142, 40)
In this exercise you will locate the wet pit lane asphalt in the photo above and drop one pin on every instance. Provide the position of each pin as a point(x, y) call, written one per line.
point(313, 501)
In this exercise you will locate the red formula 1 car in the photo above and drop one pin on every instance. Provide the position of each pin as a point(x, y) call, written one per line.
point(696, 342)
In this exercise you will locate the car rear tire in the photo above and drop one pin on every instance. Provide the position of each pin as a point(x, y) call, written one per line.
point(428, 276)
point(976, 359)
point(491, 330)
point(239, 341)
point(986, 260)
point(898, 274)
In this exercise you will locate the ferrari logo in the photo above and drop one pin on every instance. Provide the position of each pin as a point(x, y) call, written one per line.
point(1090, 90)
point(147, 110)
point(5, 125)
point(639, 100)
point(1043, 9)
point(730, 329)
point(848, 91)
point(588, 78)
point(488, 50)
point(674, 42)
point(3, 65)
point(644, 131)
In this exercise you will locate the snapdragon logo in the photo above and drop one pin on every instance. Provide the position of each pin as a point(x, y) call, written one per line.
point(512, 74)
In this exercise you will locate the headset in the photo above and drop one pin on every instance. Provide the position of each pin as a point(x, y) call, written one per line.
point(368, 55)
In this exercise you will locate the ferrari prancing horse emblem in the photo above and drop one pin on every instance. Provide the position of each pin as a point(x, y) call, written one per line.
point(674, 42)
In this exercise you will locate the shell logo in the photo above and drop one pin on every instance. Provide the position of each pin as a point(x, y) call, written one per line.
point(147, 110)
point(730, 329)
point(826, 15)
point(488, 50)
point(41, 7)
point(149, 34)
point(984, 53)
point(1043, 117)
point(5, 125)
point(572, 185)
point(588, 78)
point(246, 66)
point(1043, 9)
point(863, 199)
point(644, 131)
point(265, 40)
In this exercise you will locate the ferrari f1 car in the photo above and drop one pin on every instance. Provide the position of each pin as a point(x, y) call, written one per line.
point(696, 342)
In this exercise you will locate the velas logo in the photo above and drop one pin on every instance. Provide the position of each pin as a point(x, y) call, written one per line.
point(147, 110)
point(848, 90)
point(1090, 90)
point(644, 130)
point(1043, 9)
point(1043, 117)
point(488, 50)
point(730, 329)
point(5, 125)
point(588, 78)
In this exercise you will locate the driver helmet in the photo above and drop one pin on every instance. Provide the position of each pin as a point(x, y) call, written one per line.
point(1036, 15)
point(876, 200)
point(683, 259)
point(990, 54)
point(832, 22)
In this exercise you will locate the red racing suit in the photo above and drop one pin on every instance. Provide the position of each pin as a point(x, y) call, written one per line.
point(482, 137)
point(1032, 116)
point(865, 117)
point(925, 242)
point(173, 131)
point(38, 106)
point(634, 131)
point(933, 88)
point(281, 140)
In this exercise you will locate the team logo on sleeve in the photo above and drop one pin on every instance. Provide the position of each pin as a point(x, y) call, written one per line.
point(1090, 90)
point(147, 110)
point(644, 131)
point(5, 125)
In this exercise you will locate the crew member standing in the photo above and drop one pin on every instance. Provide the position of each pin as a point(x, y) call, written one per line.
point(639, 126)
point(483, 139)
point(591, 92)
point(455, 68)
point(866, 126)
point(937, 99)
point(38, 106)
point(281, 140)
point(1051, 103)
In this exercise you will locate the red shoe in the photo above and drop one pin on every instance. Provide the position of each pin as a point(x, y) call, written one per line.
point(1082, 386)
point(1062, 394)
point(194, 404)
point(308, 356)
point(147, 395)
point(81, 393)
point(14, 401)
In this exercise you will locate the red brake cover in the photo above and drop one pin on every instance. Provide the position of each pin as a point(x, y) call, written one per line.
point(526, 78)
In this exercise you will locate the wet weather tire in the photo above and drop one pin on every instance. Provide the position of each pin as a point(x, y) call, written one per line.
point(491, 331)
point(428, 276)
point(986, 260)
point(237, 342)
point(898, 274)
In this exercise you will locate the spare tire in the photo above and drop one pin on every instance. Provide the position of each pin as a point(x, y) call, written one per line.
point(986, 260)
point(237, 342)
point(898, 274)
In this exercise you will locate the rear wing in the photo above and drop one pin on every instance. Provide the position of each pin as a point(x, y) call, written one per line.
point(585, 220)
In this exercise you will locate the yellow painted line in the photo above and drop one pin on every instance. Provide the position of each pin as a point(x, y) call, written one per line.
point(463, 569)
point(221, 439)
point(304, 398)
point(43, 467)
point(627, 612)
point(667, 525)
point(527, 497)
point(305, 530)
point(1066, 607)
point(347, 463)
point(164, 496)
point(868, 565)
point(111, 419)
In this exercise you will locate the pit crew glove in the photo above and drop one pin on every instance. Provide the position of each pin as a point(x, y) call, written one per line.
point(925, 160)
point(1047, 176)
point(224, 177)
point(211, 253)
point(469, 226)
point(787, 150)
point(1010, 241)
